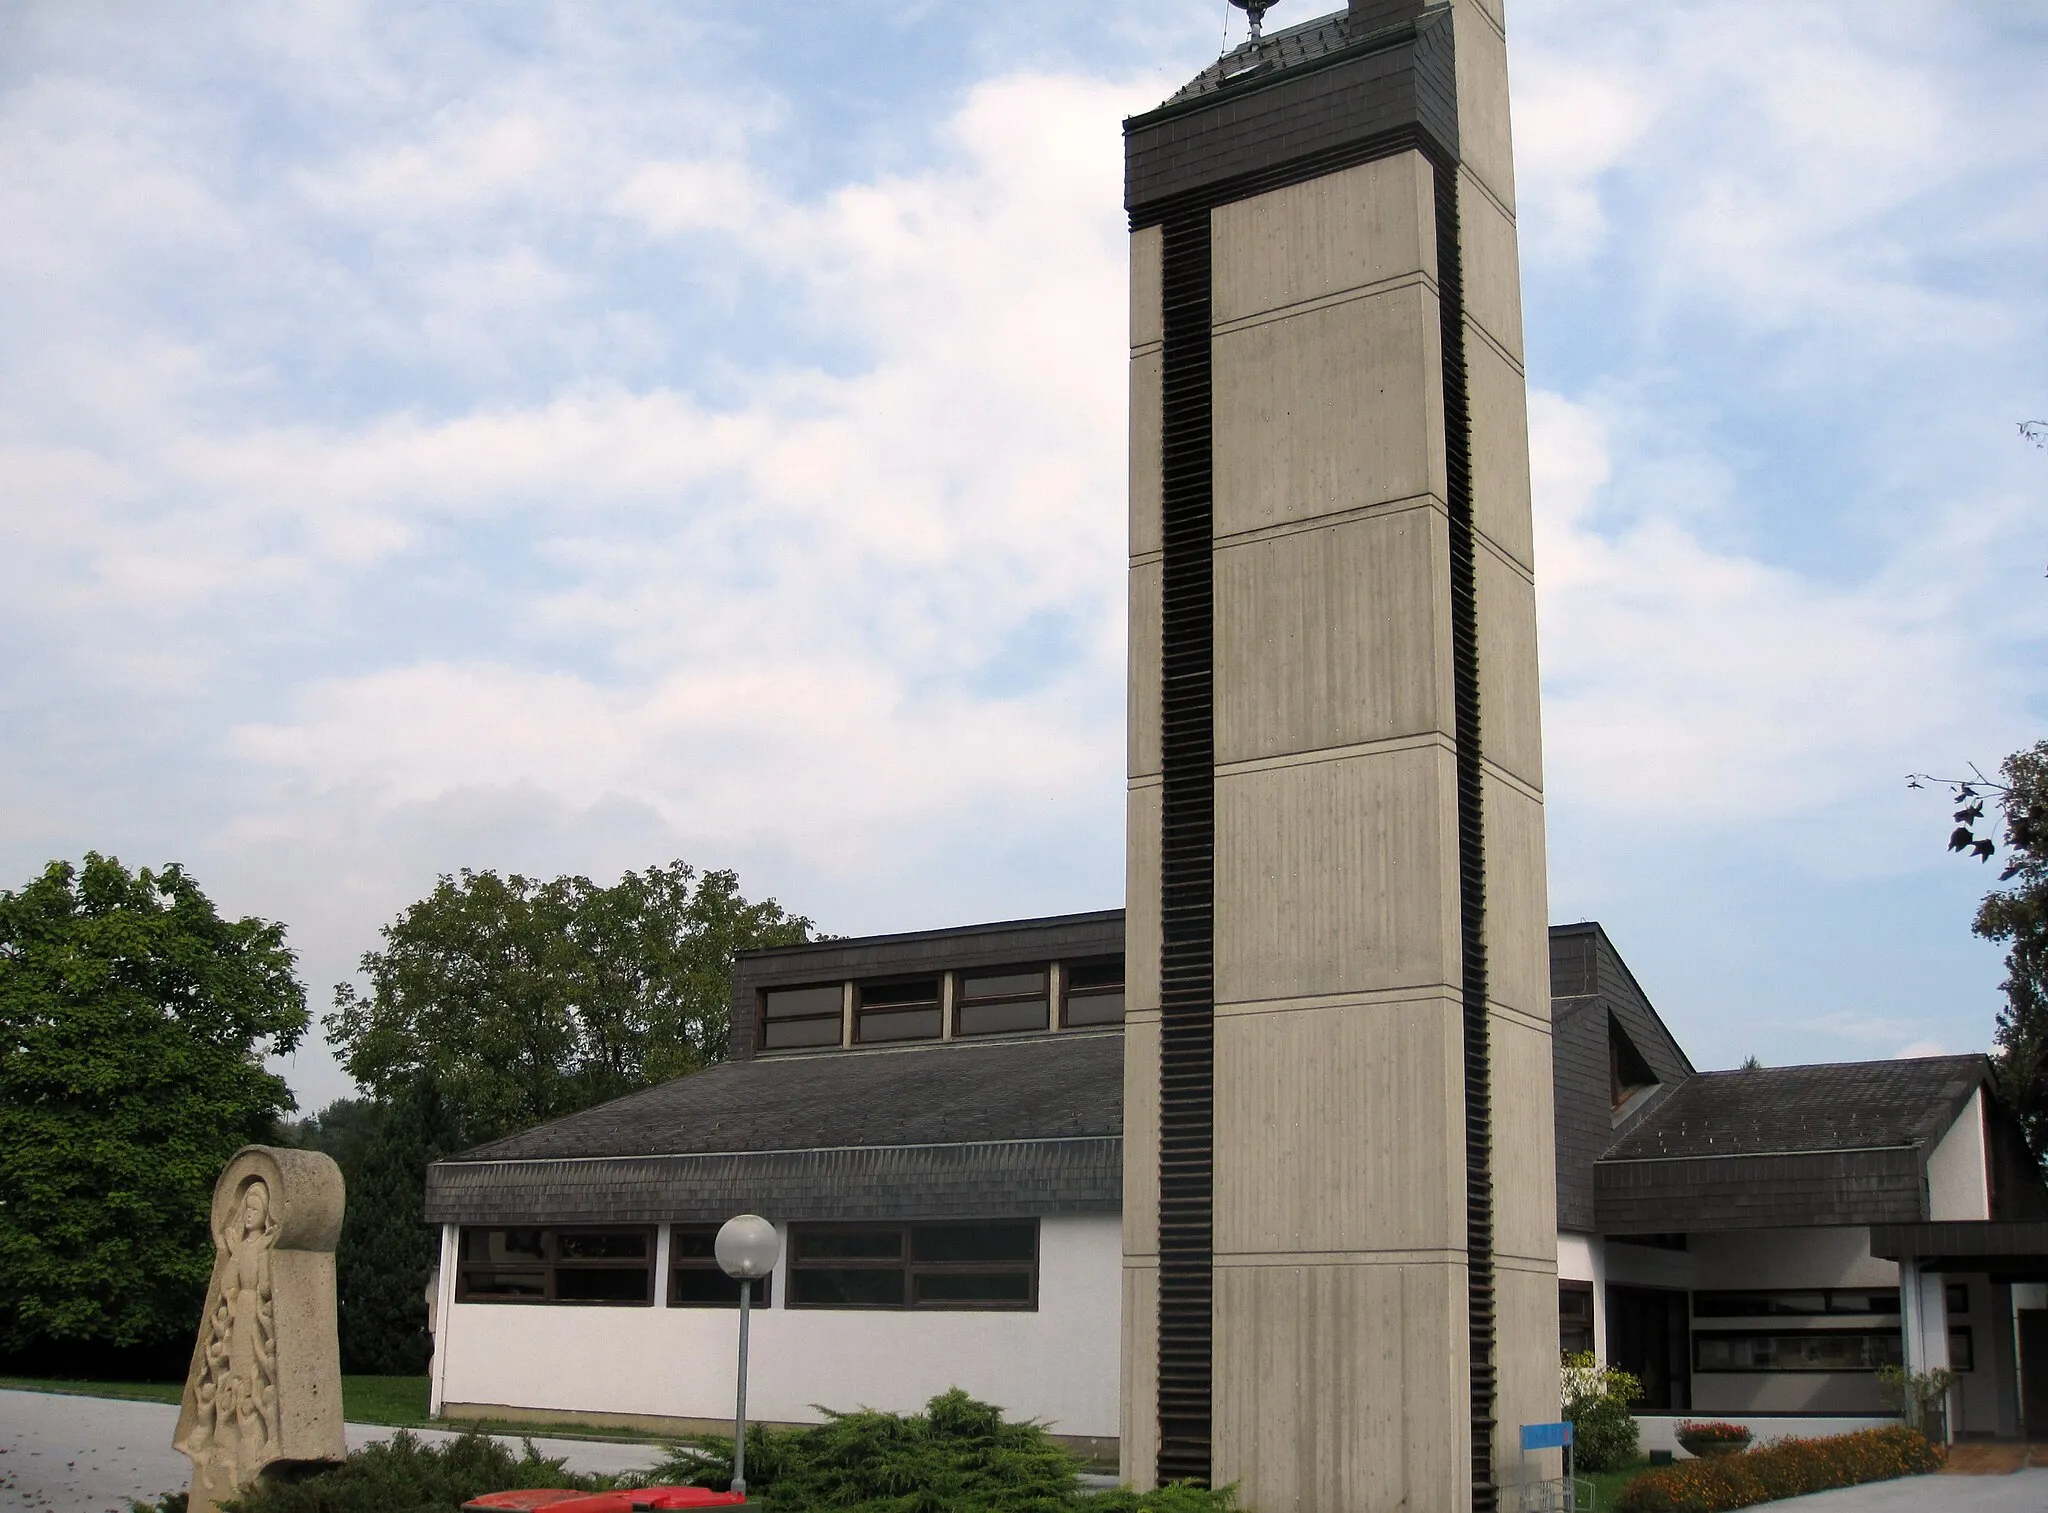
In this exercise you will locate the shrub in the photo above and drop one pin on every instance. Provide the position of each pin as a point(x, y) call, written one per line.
point(1596, 1399)
point(1920, 1396)
point(958, 1456)
point(1786, 1469)
point(402, 1475)
point(1179, 1497)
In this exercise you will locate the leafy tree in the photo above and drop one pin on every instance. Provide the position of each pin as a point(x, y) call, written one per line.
point(386, 1253)
point(345, 1129)
point(133, 1025)
point(522, 1001)
point(1596, 1400)
point(2016, 916)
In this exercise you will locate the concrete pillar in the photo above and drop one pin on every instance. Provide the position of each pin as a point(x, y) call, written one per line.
point(1340, 1234)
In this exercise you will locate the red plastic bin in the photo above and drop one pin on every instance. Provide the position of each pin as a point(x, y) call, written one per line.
point(557, 1500)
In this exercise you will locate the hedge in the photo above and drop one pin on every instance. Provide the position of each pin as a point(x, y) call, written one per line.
point(1785, 1469)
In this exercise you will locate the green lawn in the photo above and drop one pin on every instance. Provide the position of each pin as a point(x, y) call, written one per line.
point(1607, 1486)
point(400, 1400)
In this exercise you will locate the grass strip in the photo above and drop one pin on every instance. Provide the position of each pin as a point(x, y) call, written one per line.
point(398, 1401)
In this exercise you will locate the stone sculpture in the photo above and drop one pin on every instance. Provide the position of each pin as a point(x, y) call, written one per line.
point(264, 1390)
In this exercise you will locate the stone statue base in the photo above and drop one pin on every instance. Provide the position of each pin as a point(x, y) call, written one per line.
point(264, 1391)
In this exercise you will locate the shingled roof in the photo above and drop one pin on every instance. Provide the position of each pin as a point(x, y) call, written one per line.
point(1047, 1087)
point(1840, 1106)
point(1287, 48)
point(1777, 1146)
point(1028, 1125)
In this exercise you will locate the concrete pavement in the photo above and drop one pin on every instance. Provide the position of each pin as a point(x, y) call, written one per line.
point(2019, 1492)
point(63, 1454)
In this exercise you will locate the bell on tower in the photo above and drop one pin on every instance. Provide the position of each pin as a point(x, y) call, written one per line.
point(1255, 12)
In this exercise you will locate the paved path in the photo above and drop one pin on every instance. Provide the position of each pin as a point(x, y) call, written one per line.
point(92, 1454)
point(2021, 1492)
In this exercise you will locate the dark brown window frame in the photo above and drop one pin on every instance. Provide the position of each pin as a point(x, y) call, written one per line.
point(764, 1287)
point(800, 1266)
point(1966, 1358)
point(1574, 1289)
point(551, 1266)
point(1068, 993)
point(1725, 1303)
point(837, 1018)
point(1702, 1336)
point(962, 1001)
point(935, 1005)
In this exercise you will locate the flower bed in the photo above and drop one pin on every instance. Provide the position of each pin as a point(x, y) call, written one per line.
point(1787, 1469)
point(1711, 1437)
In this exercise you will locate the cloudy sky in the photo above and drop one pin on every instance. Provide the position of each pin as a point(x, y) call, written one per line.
point(566, 438)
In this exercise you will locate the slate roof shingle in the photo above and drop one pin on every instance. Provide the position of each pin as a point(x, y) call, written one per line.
point(1050, 1087)
point(1278, 50)
point(1842, 1106)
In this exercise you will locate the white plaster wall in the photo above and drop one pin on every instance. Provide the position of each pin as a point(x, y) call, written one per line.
point(1058, 1364)
point(1836, 1256)
point(1986, 1396)
point(1646, 1266)
point(444, 1275)
point(1924, 1307)
point(1582, 1258)
point(1958, 1179)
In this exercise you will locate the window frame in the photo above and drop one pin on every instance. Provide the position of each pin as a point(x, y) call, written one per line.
point(1702, 1336)
point(863, 1010)
point(551, 1264)
point(764, 1287)
point(963, 1001)
point(1570, 1288)
point(1724, 1300)
point(1068, 993)
point(905, 1261)
point(1963, 1335)
point(837, 1017)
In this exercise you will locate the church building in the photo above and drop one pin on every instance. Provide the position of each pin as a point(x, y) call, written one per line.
point(1296, 1173)
point(935, 1123)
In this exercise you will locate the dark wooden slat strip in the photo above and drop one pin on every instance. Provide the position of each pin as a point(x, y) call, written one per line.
point(1187, 862)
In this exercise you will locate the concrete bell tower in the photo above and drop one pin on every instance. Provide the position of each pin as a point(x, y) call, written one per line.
point(1340, 1285)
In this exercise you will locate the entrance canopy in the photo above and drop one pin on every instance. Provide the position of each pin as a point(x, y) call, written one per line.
point(2010, 1250)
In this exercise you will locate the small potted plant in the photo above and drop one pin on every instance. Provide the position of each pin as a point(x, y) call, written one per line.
point(1705, 1437)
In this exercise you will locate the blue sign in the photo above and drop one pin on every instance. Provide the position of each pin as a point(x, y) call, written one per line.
point(1547, 1436)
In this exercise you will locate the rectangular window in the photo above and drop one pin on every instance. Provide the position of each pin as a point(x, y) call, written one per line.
point(1574, 1317)
point(1962, 1350)
point(1002, 1001)
point(1956, 1297)
point(898, 1011)
point(988, 1264)
point(1093, 993)
point(802, 1016)
point(1810, 1303)
point(696, 1280)
point(1807, 1350)
point(591, 1266)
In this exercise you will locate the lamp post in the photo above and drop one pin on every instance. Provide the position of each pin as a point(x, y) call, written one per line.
point(746, 1248)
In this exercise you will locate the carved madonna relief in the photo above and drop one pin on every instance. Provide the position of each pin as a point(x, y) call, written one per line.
point(265, 1382)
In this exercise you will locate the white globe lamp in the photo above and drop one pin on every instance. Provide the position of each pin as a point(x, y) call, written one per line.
point(747, 1248)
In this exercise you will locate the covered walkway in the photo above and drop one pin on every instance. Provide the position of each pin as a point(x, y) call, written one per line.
point(1976, 1291)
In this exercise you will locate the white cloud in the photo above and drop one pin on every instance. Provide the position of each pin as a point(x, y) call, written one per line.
point(1920, 1048)
point(1575, 119)
point(1694, 683)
